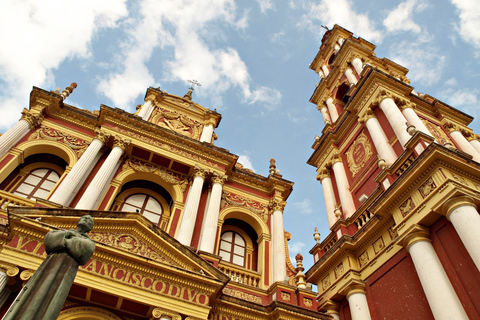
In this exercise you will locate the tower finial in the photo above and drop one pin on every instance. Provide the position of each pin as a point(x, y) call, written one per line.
point(68, 90)
point(190, 90)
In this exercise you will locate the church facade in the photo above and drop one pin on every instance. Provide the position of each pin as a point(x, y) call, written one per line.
point(400, 174)
point(182, 230)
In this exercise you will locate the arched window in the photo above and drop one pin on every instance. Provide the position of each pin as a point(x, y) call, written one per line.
point(232, 248)
point(37, 184)
point(144, 204)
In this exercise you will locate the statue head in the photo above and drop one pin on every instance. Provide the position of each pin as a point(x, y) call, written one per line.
point(86, 222)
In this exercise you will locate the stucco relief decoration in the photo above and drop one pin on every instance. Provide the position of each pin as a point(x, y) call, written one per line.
point(427, 188)
point(242, 295)
point(176, 122)
point(286, 296)
point(437, 132)
point(407, 207)
point(76, 144)
point(165, 174)
point(128, 243)
point(378, 245)
point(459, 179)
point(358, 153)
point(326, 282)
point(363, 259)
point(231, 199)
point(339, 270)
point(393, 233)
point(307, 302)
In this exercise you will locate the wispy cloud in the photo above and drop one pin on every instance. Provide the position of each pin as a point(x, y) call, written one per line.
point(265, 5)
point(246, 162)
point(400, 19)
point(469, 24)
point(30, 29)
point(303, 207)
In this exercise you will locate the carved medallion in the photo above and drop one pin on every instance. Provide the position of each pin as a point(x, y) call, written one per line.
point(427, 188)
point(307, 302)
point(339, 270)
point(326, 282)
point(363, 259)
point(378, 245)
point(358, 153)
point(407, 207)
point(286, 296)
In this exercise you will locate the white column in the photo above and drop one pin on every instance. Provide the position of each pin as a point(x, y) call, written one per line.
point(332, 109)
point(320, 74)
point(18, 131)
point(325, 70)
point(185, 232)
point(279, 264)
point(147, 108)
point(340, 41)
point(68, 188)
point(209, 230)
point(358, 65)
point(440, 294)
point(396, 120)
point(351, 77)
point(336, 48)
point(464, 145)
point(343, 187)
point(207, 133)
point(463, 214)
point(94, 190)
point(473, 140)
point(380, 140)
point(325, 115)
point(357, 301)
point(414, 119)
point(4, 292)
point(328, 195)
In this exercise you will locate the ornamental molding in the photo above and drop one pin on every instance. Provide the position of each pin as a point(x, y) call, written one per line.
point(242, 295)
point(166, 175)
point(46, 133)
point(231, 199)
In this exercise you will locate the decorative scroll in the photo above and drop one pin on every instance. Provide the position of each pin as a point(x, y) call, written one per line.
point(76, 144)
point(308, 302)
point(230, 199)
point(176, 122)
point(427, 188)
point(358, 153)
point(128, 243)
point(407, 207)
point(165, 174)
point(286, 296)
point(242, 295)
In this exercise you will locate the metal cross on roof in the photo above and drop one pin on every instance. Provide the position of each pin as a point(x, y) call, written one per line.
point(194, 83)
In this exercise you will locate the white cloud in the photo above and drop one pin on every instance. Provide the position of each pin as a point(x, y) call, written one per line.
point(303, 207)
point(38, 36)
point(425, 62)
point(400, 19)
point(245, 161)
point(177, 27)
point(464, 99)
point(469, 14)
point(339, 12)
point(294, 248)
point(265, 5)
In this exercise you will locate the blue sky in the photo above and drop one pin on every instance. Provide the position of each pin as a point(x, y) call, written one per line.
point(251, 58)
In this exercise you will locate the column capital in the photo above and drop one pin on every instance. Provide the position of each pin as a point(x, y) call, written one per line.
point(469, 135)
point(336, 158)
point(456, 202)
point(219, 178)
point(450, 126)
point(330, 306)
point(101, 135)
point(200, 172)
point(277, 205)
point(33, 120)
point(322, 174)
point(10, 269)
point(382, 96)
point(415, 234)
point(351, 287)
point(157, 313)
point(369, 113)
point(25, 275)
point(150, 97)
point(121, 143)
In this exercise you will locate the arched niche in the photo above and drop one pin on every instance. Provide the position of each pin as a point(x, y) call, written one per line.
point(87, 313)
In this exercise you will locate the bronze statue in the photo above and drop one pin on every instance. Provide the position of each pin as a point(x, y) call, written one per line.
point(45, 293)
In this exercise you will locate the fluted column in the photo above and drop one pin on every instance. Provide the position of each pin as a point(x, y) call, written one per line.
point(473, 140)
point(279, 263)
point(326, 117)
point(147, 108)
point(209, 231)
point(380, 140)
point(414, 119)
point(68, 188)
point(27, 122)
point(325, 70)
point(185, 232)
point(462, 142)
point(4, 291)
point(357, 301)
point(395, 118)
point(328, 195)
point(343, 187)
point(440, 294)
point(358, 65)
point(463, 214)
point(351, 77)
point(332, 109)
point(93, 192)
